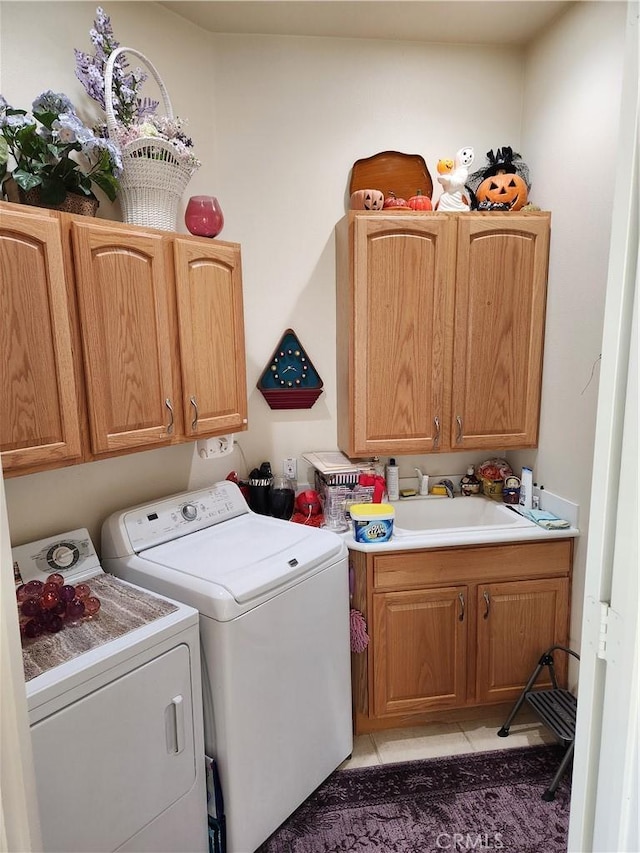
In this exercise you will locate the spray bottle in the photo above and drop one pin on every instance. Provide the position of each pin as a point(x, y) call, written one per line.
point(393, 482)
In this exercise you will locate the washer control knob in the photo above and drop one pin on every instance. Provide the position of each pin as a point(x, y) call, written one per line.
point(189, 512)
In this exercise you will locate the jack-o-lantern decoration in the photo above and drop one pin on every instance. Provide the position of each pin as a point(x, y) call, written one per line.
point(503, 184)
point(367, 200)
point(504, 188)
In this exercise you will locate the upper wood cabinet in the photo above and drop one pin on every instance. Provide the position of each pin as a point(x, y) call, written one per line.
point(500, 295)
point(393, 273)
point(211, 335)
point(39, 421)
point(152, 353)
point(122, 281)
point(440, 325)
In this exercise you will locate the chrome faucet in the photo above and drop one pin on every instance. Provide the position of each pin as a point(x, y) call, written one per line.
point(448, 486)
point(423, 482)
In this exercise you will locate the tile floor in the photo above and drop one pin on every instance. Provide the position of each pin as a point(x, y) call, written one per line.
point(440, 739)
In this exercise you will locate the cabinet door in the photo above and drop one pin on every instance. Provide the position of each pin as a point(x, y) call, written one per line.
point(211, 331)
point(397, 321)
point(517, 622)
point(419, 643)
point(123, 281)
point(39, 422)
point(499, 329)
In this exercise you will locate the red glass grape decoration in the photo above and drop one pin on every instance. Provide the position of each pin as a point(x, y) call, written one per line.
point(47, 606)
point(32, 629)
point(48, 600)
point(33, 588)
point(82, 590)
point(54, 624)
point(91, 605)
point(30, 607)
point(75, 609)
point(67, 593)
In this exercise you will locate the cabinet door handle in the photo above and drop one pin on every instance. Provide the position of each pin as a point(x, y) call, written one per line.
point(461, 616)
point(487, 602)
point(167, 403)
point(436, 437)
point(459, 432)
point(194, 422)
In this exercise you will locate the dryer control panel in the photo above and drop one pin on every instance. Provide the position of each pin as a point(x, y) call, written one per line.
point(70, 554)
point(146, 526)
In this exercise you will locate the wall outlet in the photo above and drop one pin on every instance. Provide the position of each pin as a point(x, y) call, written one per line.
point(213, 448)
point(290, 468)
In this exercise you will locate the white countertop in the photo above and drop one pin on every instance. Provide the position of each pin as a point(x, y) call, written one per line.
point(492, 533)
point(453, 538)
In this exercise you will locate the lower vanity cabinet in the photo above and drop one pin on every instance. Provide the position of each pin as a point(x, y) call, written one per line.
point(455, 628)
point(516, 622)
point(419, 650)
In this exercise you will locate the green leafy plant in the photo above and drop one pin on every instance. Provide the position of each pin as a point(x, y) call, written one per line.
point(53, 150)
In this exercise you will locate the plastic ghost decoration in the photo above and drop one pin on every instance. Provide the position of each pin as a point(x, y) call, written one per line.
point(453, 181)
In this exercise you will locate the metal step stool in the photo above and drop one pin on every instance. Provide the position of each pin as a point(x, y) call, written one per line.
point(556, 708)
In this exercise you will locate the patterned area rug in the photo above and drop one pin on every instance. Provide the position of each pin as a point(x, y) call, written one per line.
point(480, 801)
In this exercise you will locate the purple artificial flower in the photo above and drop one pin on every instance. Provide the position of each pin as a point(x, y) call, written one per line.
point(52, 102)
point(128, 106)
point(66, 128)
point(16, 121)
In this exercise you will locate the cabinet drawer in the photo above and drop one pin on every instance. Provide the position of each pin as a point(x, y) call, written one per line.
point(411, 569)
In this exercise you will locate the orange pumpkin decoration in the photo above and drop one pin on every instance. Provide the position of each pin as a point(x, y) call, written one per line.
point(504, 188)
point(420, 202)
point(393, 201)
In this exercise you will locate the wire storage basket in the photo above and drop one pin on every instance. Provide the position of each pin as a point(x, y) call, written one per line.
point(154, 176)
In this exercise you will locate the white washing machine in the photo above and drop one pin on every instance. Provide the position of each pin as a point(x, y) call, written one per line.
point(115, 713)
point(274, 623)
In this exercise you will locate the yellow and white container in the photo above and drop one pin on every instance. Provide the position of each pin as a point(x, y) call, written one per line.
point(372, 523)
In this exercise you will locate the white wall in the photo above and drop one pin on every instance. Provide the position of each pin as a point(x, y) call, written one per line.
point(573, 81)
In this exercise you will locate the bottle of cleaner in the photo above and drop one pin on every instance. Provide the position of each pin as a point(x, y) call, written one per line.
point(393, 483)
point(526, 488)
point(470, 484)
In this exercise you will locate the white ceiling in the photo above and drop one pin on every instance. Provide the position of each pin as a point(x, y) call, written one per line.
point(456, 21)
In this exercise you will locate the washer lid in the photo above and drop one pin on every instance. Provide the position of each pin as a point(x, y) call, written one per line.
point(248, 556)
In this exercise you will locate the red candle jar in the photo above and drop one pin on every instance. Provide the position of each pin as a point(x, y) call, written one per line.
point(203, 216)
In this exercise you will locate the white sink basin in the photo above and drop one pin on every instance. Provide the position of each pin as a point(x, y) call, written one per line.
point(426, 515)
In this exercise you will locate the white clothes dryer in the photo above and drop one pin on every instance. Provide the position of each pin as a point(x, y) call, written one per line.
point(273, 598)
point(115, 713)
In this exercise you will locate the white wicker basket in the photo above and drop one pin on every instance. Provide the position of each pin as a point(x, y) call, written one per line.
point(153, 176)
